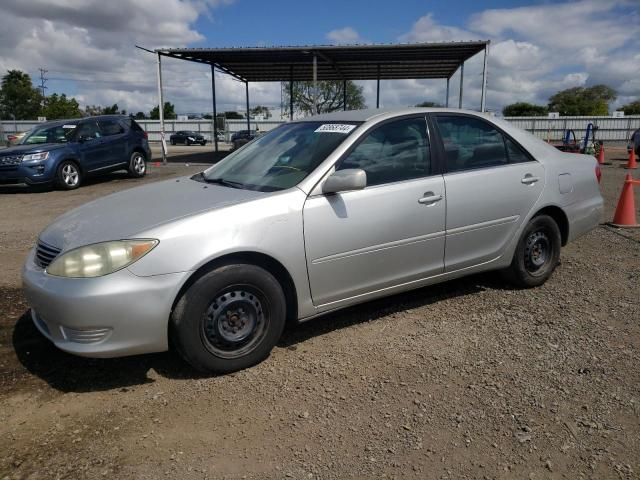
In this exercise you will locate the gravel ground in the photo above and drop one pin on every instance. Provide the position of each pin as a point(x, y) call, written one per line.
point(468, 379)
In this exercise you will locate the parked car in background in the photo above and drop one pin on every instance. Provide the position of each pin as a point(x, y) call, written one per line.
point(314, 216)
point(64, 152)
point(15, 138)
point(634, 142)
point(242, 137)
point(187, 137)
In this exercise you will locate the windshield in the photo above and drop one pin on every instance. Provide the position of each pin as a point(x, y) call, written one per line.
point(56, 134)
point(281, 158)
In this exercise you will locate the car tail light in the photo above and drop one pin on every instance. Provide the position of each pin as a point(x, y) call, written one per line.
point(598, 172)
point(11, 137)
point(146, 135)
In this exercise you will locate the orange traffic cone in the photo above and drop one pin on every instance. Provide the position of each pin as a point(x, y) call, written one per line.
point(601, 155)
point(632, 165)
point(625, 215)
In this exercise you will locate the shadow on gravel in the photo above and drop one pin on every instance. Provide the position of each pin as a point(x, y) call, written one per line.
point(69, 373)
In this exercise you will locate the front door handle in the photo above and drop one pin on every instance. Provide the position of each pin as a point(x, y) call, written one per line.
point(429, 198)
point(529, 179)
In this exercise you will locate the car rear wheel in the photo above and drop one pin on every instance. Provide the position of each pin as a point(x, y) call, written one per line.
point(68, 175)
point(172, 141)
point(229, 319)
point(137, 165)
point(537, 253)
point(187, 142)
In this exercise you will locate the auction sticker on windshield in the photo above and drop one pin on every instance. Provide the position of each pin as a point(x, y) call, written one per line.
point(69, 126)
point(335, 128)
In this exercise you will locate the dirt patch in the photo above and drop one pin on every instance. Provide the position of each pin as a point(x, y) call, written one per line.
point(469, 379)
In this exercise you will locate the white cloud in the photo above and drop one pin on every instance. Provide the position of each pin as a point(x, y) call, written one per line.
point(535, 51)
point(426, 29)
point(346, 35)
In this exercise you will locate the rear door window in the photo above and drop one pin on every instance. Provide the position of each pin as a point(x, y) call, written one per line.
point(110, 127)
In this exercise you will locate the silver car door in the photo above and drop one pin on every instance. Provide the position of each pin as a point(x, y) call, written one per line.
point(491, 184)
point(387, 234)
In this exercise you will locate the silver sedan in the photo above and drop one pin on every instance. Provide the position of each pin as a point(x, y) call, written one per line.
point(317, 215)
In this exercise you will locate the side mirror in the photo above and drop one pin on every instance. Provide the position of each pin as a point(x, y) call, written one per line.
point(345, 180)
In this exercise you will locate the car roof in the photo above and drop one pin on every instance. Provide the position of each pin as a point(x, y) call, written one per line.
point(371, 113)
point(53, 123)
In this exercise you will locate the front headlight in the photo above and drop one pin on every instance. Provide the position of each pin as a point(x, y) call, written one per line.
point(35, 156)
point(100, 258)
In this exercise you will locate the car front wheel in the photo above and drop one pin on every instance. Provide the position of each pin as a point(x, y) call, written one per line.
point(537, 253)
point(229, 319)
point(137, 165)
point(68, 175)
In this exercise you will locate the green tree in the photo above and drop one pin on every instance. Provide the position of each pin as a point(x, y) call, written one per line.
point(59, 106)
point(112, 110)
point(429, 104)
point(140, 116)
point(329, 97)
point(93, 110)
point(19, 99)
point(632, 108)
point(168, 110)
point(260, 110)
point(207, 116)
point(583, 100)
point(524, 109)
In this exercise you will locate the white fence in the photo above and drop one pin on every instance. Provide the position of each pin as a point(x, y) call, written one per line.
point(609, 128)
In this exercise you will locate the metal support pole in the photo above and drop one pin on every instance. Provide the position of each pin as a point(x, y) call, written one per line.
point(215, 116)
point(246, 88)
point(461, 82)
point(315, 84)
point(378, 87)
point(483, 98)
point(163, 144)
point(446, 103)
point(344, 95)
point(291, 93)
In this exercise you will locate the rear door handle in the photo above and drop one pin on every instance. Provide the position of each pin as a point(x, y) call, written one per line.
point(530, 179)
point(429, 198)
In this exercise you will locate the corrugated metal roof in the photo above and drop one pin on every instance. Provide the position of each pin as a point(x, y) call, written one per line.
point(335, 62)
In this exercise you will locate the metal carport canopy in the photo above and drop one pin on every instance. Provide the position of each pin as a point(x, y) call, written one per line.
point(330, 62)
point(335, 62)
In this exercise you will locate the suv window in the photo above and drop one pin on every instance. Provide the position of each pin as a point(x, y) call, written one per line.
point(110, 127)
point(88, 131)
point(471, 143)
point(393, 152)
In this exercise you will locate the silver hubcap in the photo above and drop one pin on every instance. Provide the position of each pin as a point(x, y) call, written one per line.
point(138, 164)
point(234, 323)
point(70, 175)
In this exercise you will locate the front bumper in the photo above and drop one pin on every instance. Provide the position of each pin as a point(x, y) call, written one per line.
point(116, 315)
point(31, 173)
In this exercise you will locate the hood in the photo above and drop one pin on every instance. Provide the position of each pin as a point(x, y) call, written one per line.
point(36, 148)
point(128, 213)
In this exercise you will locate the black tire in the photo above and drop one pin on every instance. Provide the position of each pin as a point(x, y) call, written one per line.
point(137, 167)
point(537, 253)
point(187, 142)
point(68, 175)
point(203, 143)
point(172, 141)
point(229, 319)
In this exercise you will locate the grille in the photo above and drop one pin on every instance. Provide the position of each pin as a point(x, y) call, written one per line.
point(10, 160)
point(45, 254)
point(93, 335)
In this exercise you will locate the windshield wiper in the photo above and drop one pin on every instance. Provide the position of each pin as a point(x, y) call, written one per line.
point(226, 183)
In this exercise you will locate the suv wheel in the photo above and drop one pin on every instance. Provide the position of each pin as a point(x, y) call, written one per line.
point(137, 165)
point(68, 176)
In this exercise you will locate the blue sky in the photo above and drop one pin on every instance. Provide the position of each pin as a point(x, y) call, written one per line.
point(537, 47)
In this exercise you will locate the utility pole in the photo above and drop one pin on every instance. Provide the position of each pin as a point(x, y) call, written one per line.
point(43, 81)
